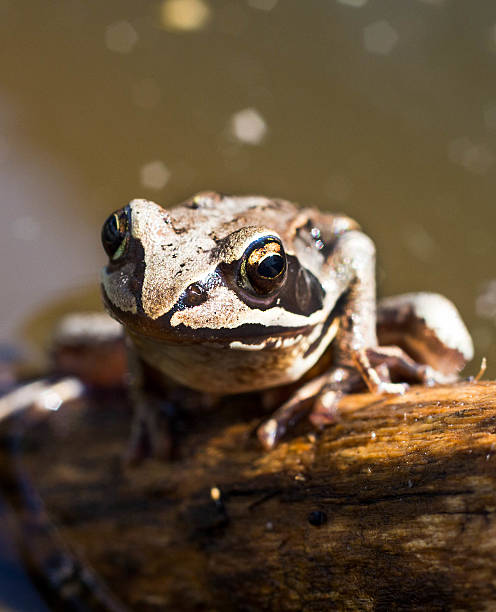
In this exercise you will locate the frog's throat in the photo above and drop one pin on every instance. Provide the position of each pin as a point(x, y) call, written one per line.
point(239, 366)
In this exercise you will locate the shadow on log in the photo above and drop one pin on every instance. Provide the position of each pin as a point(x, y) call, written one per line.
point(391, 508)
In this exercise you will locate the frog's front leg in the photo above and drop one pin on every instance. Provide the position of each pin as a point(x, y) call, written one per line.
point(432, 345)
point(427, 340)
point(349, 283)
point(150, 429)
point(160, 405)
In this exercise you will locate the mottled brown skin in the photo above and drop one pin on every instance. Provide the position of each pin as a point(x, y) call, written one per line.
point(225, 295)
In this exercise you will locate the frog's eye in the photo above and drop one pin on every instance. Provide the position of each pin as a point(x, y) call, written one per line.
point(264, 265)
point(115, 234)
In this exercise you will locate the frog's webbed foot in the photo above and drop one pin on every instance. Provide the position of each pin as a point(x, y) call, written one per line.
point(385, 370)
point(375, 367)
point(378, 365)
point(400, 366)
point(318, 395)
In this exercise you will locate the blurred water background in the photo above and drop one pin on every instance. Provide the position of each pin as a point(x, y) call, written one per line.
point(385, 110)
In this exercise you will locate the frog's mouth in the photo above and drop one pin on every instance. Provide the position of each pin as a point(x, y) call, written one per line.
point(310, 336)
point(248, 337)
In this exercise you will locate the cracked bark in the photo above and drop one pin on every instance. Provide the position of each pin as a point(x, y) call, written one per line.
point(391, 508)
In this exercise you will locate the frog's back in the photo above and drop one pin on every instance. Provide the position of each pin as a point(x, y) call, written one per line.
point(218, 215)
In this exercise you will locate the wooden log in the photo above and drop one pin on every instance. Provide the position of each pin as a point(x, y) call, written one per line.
point(392, 508)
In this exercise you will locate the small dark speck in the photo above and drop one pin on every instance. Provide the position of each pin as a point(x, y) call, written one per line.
point(182, 265)
point(317, 518)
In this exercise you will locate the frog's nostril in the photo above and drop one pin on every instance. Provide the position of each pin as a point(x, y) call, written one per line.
point(195, 295)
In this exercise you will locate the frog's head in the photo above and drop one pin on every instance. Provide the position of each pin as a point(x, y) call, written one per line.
point(215, 270)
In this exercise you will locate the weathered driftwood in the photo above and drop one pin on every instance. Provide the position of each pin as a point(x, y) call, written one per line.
point(394, 507)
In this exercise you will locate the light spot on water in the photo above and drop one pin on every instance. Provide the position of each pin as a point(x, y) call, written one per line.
point(154, 175)
point(379, 37)
point(248, 126)
point(353, 3)
point(474, 157)
point(184, 15)
point(120, 37)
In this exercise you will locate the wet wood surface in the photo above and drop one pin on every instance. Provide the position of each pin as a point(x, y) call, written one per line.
point(391, 508)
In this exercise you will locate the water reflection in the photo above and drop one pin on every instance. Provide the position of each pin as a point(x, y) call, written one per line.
point(120, 37)
point(184, 15)
point(248, 126)
point(379, 37)
point(154, 175)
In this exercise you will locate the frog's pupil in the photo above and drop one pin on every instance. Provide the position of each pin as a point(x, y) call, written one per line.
point(113, 229)
point(271, 266)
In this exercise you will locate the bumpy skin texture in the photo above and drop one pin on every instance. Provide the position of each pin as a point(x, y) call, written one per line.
point(225, 294)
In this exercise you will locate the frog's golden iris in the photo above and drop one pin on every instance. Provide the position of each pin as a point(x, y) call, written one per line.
point(263, 267)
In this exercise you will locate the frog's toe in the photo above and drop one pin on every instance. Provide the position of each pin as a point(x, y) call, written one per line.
point(389, 388)
point(319, 397)
point(398, 366)
point(286, 416)
point(326, 408)
point(270, 432)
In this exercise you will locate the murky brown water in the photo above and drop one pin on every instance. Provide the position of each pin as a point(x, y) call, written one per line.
point(385, 110)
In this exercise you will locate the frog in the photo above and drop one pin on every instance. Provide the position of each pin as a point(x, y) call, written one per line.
point(224, 295)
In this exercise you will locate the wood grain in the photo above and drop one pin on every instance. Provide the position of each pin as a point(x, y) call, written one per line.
point(392, 508)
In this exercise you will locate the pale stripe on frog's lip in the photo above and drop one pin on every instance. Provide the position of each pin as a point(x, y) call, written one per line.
point(269, 343)
point(280, 342)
